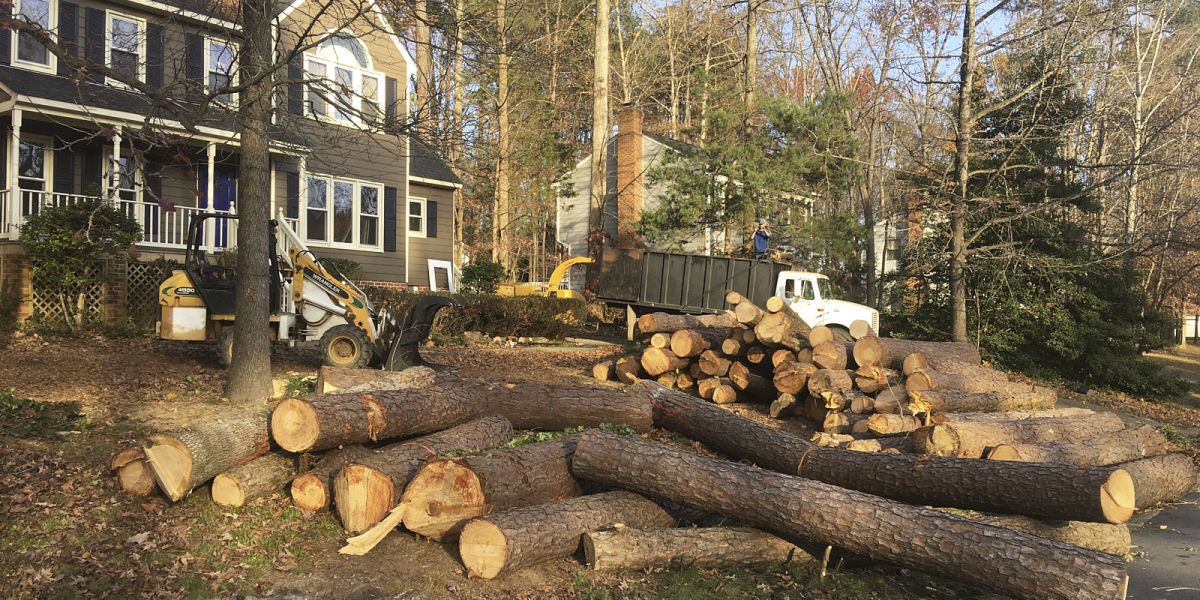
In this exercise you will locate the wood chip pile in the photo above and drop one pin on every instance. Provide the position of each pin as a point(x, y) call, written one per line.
point(922, 457)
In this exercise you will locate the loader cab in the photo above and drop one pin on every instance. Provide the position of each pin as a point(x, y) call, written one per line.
point(214, 275)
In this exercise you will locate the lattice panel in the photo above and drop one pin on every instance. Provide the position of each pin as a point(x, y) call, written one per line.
point(141, 289)
point(47, 303)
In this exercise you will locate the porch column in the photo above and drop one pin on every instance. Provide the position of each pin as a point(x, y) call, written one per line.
point(14, 163)
point(210, 225)
point(114, 167)
point(271, 184)
point(301, 222)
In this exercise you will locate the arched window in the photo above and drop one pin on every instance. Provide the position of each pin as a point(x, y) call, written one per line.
point(344, 87)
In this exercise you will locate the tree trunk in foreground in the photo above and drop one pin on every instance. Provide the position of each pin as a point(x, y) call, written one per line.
point(947, 401)
point(1104, 537)
point(521, 537)
point(321, 422)
point(890, 352)
point(133, 475)
point(1107, 449)
point(1062, 492)
point(1161, 479)
point(262, 476)
point(626, 549)
point(332, 380)
point(959, 435)
point(659, 322)
point(186, 458)
point(366, 489)
point(1014, 563)
point(446, 493)
point(312, 490)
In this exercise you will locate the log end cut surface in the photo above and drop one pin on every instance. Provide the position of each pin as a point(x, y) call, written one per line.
point(484, 549)
point(1117, 497)
point(364, 497)
point(135, 478)
point(308, 493)
point(171, 464)
point(294, 425)
point(227, 491)
point(441, 485)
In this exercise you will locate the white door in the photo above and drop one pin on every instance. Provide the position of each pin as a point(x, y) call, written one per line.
point(802, 297)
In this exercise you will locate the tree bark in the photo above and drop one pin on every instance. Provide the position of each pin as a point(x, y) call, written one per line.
point(133, 475)
point(312, 490)
point(1018, 564)
point(629, 368)
point(964, 130)
point(658, 322)
point(929, 379)
point(600, 133)
point(1161, 479)
point(950, 401)
point(890, 352)
point(446, 493)
point(332, 380)
point(367, 488)
point(521, 537)
point(184, 459)
point(321, 422)
point(501, 215)
point(958, 434)
point(262, 476)
point(1063, 492)
point(1095, 451)
point(626, 549)
point(752, 385)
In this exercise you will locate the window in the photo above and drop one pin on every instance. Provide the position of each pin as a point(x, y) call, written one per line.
point(220, 68)
point(806, 291)
point(343, 88)
point(29, 50)
point(343, 212)
point(125, 45)
point(416, 217)
point(31, 168)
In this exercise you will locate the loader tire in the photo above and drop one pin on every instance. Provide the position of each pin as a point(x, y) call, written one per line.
point(346, 346)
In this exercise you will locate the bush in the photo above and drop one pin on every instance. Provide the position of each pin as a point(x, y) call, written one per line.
point(482, 277)
point(554, 318)
point(9, 303)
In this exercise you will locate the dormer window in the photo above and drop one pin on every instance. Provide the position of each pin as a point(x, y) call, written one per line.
point(30, 51)
point(125, 35)
point(344, 88)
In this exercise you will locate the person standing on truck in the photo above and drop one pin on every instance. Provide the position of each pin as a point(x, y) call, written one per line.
point(761, 237)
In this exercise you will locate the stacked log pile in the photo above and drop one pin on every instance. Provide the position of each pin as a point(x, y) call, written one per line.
point(993, 481)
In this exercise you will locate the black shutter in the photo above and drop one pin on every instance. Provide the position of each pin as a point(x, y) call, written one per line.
point(68, 33)
point(295, 89)
point(94, 32)
point(431, 218)
point(293, 195)
point(194, 69)
point(64, 171)
point(155, 55)
point(92, 170)
point(391, 97)
point(390, 224)
point(6, 35)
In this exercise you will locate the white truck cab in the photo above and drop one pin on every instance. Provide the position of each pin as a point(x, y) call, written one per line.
point(808, 295)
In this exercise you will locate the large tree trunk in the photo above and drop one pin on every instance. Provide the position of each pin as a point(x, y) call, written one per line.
point(331, 380)
point(521, 537)
point(262, 476)
point(446, 493)
point(890, 352)
point(928, 379)
point(1161, 479)
point(964, 130)
point(660, 322)
point(133, 475)
point(600, 132)
point(1099, 450)
point(320, 422)
point(961, 435)
point(184, 459)
point(1035, 398)
point(250, 369)
point(626, 549)
point(501, 215)
point(312, 490)
point(1062, 492)
point(366, 489)
point(1014, 563)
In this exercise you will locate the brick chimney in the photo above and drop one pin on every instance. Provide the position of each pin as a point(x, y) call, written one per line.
point(630, 184)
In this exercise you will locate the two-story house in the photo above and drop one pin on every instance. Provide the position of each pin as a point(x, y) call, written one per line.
point(350, 181)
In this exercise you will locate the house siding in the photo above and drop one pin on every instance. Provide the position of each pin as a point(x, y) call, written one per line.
point(422, 250)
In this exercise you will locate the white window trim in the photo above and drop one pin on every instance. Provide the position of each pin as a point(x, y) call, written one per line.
point(52, 67)
point(424, 217)
point(357, 214)
point(47, 145)
point(356, 106)
point(233, 75)
point(110, 163)
point(142, 43)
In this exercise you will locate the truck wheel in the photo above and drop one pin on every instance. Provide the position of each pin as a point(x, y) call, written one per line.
point(841, 335)
point(346, 346)
point(225, 347)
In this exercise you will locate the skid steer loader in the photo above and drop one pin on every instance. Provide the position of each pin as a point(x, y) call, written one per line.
point(310, 301)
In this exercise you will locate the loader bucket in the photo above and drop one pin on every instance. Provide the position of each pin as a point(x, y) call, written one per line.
point(404, 350)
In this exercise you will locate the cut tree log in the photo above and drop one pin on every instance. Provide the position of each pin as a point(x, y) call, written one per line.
point(888, 424)
point(755, 355)
point(792, 377)
point(814, 409)
point(133, 475)
point(721, 391)
point(929, 379)
point(872, 379)
point(660, 340)
point(605, 371)
point(960, 434)
point(656, 361)
point(841, 422)
point(819, 335)
point(628, 549)
point(951, 367)
point(1038, 398)
point(774, 328)
point(1104, 537)
point(891, 400)
point(804, 355)
point(367, 488)
point(186, 458)
point(260, 477)
point(713, 363)
point(322, 422)
point(897, 443)
point(448, 492)
point(312, 491)
point(831, 440)
point(752, 385)
point(667, 379)
point(1062, 492)
point(691, 342)
point(862, 405)
point(830, 380)
point(829, 355)
point(1014, 563)
point(332, 379)
point(781, 356)
point(860, 329)
point(914, 362)
point(629, 368)
point(747, 313)
point(684, 381)
point(733, 298)
point(660, 322)
point(733, 346)
point(521, 537)
point(1094, 451)
point(783, 405)
point(1161, 479)
point(890, 352)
